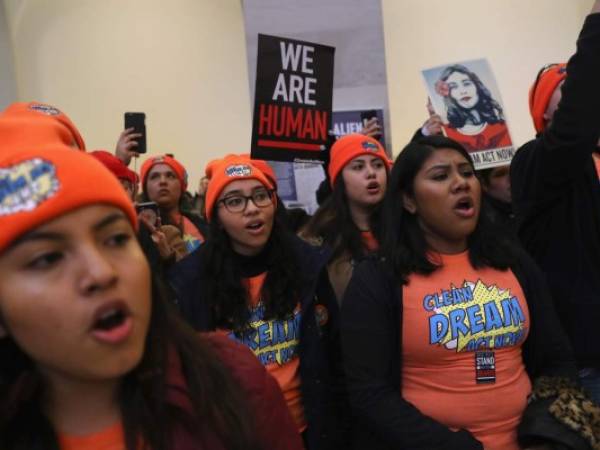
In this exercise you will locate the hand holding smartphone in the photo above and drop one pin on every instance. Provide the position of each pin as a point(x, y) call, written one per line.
point(365, 116)
point(370, 124)
point(137, 121)
point(150, 212)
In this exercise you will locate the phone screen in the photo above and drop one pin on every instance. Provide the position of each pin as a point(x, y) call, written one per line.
point(137, 121)
point(150, 211)
point(366, 116)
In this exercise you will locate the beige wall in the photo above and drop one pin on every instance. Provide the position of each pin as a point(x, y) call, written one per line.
point(8, 87)
point(516, 36)
point(182, 62)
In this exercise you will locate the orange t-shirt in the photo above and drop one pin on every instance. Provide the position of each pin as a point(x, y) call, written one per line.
point(492, 136)
point(369, 241)
point(111, 438)
point(452, 318)
point(190, 234)
point(275, 343)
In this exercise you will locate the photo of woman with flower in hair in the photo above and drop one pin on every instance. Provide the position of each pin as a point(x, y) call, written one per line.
point(472, 115)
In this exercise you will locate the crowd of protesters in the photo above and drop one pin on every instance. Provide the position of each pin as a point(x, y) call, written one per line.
point(425, 305)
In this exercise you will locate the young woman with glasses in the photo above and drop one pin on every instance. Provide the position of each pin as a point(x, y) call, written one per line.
point(262, 286)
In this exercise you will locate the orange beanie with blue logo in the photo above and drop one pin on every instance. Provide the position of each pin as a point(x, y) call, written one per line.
point(229, 169)
point(352, 146)
point(37, 186)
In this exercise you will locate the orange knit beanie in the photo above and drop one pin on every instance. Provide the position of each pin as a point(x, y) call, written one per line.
point(33, 124)
point(541, 92)
point(351, 146)
point(169, 161)
point(37, 186)
point(229, 169)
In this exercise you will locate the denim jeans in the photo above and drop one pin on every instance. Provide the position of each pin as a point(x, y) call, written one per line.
point(589, 378)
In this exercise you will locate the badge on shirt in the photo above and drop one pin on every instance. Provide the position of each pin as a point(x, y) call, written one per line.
point(485, 367)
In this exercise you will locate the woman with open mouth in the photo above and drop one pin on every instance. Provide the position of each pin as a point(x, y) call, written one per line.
point(91, 356)
point(447, 335)
point(259, 284)
point(347, 221)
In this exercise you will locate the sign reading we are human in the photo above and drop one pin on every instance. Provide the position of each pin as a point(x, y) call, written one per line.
point(293, 96)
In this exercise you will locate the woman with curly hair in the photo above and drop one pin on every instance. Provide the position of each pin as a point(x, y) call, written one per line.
point(475, 119)
point(259, 284)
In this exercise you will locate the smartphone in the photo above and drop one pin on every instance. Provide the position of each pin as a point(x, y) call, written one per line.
point(365, 116)
point(150, 211)
point(137, 121)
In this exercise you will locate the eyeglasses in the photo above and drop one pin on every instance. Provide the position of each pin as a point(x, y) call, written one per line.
point(237, 203)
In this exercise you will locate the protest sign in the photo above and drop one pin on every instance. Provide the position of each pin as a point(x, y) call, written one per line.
point(293, 96)
point(467, 98)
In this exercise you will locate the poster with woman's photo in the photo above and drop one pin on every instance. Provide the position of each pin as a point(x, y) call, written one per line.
point(467, 98)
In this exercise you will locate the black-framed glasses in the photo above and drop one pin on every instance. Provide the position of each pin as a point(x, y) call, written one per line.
point(237, 203)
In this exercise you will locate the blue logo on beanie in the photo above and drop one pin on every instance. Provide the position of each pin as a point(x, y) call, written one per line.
point(238, 170)
point(45, 109)
point(24, 186)
point(370, 146)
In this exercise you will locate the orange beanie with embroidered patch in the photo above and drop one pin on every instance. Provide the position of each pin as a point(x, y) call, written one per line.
point(175, 165)
point(210, 166)
point(229, 169)
point(34, 124)
point(37, 186)
point(351, 146)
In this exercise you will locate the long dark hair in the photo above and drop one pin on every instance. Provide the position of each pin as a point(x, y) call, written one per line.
point(223, 279)
point(218, 404)
point(403, 245)
point(334, 224)
point(489, 109)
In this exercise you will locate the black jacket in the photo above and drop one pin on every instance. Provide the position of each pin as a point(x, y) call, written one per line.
point(323, 387)
point(500, 214)
point(371, 322)
point(556, 198)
